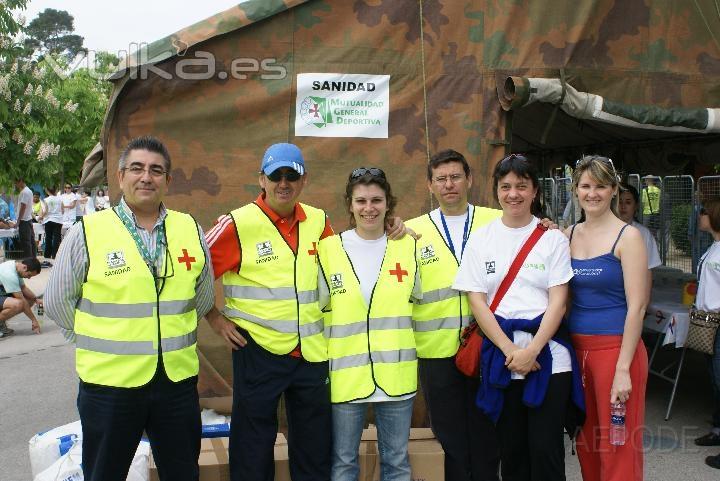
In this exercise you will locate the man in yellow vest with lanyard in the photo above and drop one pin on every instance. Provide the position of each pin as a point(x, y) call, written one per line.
point(466, 435)
point(128, 286)
point(651, 204)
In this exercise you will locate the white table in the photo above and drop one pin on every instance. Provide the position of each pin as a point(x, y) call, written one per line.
point(669, 319)
point(8, 233)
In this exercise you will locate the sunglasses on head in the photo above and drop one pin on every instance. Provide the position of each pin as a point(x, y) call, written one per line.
point(289, 175)
point(604, 160)
point(374, 171)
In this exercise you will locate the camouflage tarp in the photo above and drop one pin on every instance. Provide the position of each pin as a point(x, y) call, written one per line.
point(447, 62)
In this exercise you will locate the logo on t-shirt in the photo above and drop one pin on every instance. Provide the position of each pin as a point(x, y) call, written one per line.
point(264, 249)
point(427, 252)
point(336, 281)
point(490, 267)
point(115, 259)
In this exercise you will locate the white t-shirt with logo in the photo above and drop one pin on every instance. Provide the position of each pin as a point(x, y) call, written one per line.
point(708, 295)
point(25, 197)
point(367, 257)
point(456, 226)
point(650, 245)
point(488, 255)
point(53, 210)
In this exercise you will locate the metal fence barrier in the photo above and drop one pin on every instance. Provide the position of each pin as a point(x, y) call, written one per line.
point(669, 208)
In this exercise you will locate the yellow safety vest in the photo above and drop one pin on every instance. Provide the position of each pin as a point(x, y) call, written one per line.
point(651, 200)
point(121, 320)
point(370, 346)
point(443, 312)
point(274, 294)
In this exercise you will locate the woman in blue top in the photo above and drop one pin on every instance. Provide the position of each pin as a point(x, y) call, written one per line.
point(608, 300)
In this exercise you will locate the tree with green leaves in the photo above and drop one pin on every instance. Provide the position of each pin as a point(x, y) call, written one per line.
point(49, 118)
point(51, 32)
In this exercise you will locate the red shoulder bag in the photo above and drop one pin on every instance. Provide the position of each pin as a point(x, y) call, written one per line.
point(467, 358)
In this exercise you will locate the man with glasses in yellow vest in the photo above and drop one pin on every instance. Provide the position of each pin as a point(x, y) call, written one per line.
point(129, 286)
point(466, 434)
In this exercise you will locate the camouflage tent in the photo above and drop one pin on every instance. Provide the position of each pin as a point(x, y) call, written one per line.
point(635, 79)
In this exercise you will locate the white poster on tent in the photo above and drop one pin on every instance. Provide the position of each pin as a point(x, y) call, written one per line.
point(342, 105)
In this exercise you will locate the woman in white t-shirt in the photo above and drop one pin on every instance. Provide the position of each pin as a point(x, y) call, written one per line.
point(527, 363)
point(368, 323)
point(53, 221)
point(708, 301)
point(628, 204)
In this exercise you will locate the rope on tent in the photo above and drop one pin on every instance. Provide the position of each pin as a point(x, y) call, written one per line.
point(707, 25)
point(551, 121)
point(422, 62)
point(425, 110)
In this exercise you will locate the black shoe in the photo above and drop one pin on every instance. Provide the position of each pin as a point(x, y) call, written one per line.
point(710, 439)
point(713, 461)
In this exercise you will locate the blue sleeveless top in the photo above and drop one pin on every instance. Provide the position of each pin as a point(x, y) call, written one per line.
point(599, 306)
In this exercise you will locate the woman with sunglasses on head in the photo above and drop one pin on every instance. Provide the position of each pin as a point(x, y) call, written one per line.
point(707, 305)
point(608, 298)
point(368, 322)
point(628, 203)
point(527, 361)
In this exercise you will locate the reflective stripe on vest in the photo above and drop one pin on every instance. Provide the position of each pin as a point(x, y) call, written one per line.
point(135, 347)
point(118, 317)
point(274, 295)
point(442, 313)
point(372, 346)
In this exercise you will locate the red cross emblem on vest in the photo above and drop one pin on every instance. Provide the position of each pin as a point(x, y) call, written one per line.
point(186, 259)
point(398, 271)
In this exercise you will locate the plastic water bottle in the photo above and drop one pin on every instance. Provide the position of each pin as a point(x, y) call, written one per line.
point(617, 424)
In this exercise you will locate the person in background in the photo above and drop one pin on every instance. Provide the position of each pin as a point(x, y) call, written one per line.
point(129, 286)
point(38, 207)
point(440, 317)
point(628, 204)
point(68, 203)
point(707, 304)
point(651, 204)
point(102, 201)
point(4, 210)
point(608, 299)
point(53, 223)
point(529, 374)
point(15, 296)
point(371, 346)
point(24, 219)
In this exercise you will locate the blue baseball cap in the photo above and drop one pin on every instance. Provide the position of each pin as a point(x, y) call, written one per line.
point(283, 155)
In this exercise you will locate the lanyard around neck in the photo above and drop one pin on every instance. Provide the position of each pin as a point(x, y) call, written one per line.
point(449, 237)
point(151, 260)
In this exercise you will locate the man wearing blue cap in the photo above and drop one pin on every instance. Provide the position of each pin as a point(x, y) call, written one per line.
point(266, 254)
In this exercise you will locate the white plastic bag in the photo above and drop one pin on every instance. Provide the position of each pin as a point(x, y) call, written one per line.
point(46, 448)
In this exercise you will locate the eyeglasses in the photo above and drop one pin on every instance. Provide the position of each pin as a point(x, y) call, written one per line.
point(374, 171)
point(703, 211)
point(289, 175)
point(68, 187)
point(154, 170)
point(454, 179)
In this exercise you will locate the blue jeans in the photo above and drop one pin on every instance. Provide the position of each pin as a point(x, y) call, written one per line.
point(393, 426)
point(714, 368)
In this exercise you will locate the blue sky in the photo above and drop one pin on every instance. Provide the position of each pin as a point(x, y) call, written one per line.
point(114, 25)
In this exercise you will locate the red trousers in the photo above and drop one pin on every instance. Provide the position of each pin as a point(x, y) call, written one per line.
point(599, 460)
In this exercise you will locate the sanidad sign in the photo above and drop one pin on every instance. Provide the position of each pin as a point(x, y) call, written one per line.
point(342, 105)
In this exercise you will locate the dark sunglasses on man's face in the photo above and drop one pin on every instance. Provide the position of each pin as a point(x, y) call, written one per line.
point(289, 175)
point(703, 211)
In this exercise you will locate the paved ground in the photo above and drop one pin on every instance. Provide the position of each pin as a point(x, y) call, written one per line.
point(38, 386)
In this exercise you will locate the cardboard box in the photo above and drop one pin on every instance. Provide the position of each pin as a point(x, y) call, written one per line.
point(427, 458)
point(214, 461)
